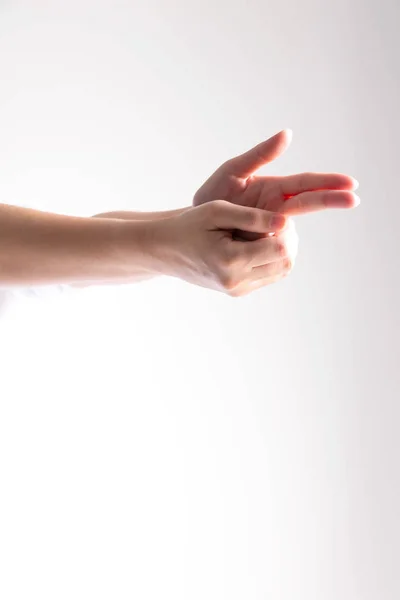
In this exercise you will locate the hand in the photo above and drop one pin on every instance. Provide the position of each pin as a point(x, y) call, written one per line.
point(199, 246)
point(235, 182)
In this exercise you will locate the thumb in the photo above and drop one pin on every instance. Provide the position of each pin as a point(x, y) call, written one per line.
point(233, 216)
point(245, 164)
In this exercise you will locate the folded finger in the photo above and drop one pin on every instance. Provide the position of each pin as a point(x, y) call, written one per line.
point(263, 251)
point(251, 286)
point(278, 268)
point(230, 216)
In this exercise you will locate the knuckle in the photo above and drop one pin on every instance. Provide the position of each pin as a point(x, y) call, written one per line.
point(281, 248)
point(229, 282)
point(218, 204)
point(289, 264)
point(228, 278)
point(237, 293)
point(215, 207)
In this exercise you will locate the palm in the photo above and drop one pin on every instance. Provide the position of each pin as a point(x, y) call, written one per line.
point(235, 182)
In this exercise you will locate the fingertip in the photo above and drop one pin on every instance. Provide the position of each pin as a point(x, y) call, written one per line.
point(340, 199)
point(352, 200)
point(278, 222)
point(289, 133)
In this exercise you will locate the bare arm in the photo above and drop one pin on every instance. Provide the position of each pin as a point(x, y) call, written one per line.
point(196, 245)
point(127, 215)
point(38, 248)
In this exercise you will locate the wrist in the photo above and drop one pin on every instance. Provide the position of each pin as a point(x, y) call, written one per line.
point(143, 247)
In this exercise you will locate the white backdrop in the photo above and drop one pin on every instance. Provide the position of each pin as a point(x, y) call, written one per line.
point(163, 441)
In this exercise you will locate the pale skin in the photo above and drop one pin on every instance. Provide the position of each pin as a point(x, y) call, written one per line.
point(237, 236)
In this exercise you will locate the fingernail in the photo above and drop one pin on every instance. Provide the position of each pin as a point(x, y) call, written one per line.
point(355, 183)
point(278, 221)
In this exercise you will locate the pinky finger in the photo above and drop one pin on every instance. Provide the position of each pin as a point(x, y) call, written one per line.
point(280, 267)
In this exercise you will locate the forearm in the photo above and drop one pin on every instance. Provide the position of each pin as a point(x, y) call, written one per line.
point(127, 215)
point(38, 248)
